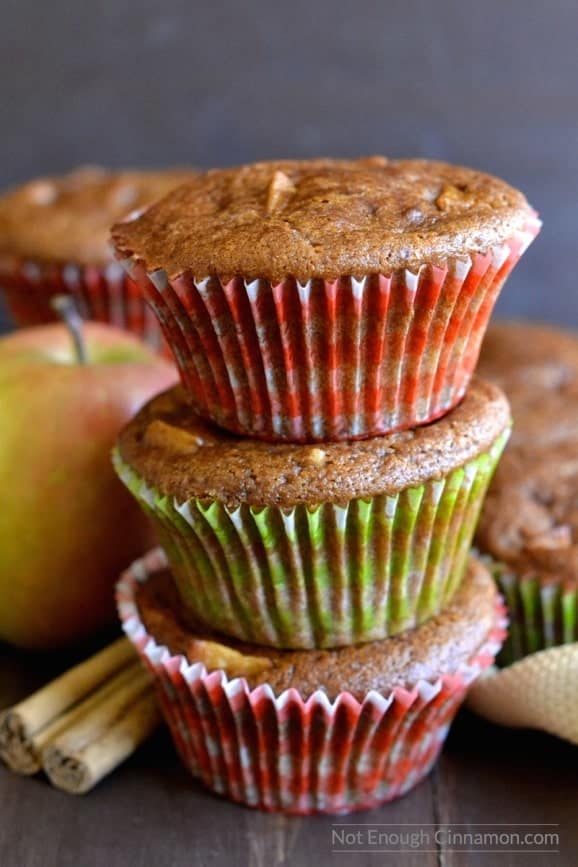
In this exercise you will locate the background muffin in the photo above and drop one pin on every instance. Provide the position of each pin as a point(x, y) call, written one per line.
point(310, 731)
point(529, 524)
point(327, 299)
point(309, 546)
point(54, 236)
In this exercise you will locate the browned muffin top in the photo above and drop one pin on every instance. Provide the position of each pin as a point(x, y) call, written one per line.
point(322, 218)
point(437, 647)
point(68, 218)
point(530, 517)
point(181, 455)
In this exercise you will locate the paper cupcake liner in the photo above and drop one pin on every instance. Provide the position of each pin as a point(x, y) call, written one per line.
point(104, 294)
point(325, 575)
point(294, 753)
point(543, 612)
point(331, 360)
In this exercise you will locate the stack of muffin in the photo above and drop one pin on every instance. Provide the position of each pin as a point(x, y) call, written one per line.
point(316, 617)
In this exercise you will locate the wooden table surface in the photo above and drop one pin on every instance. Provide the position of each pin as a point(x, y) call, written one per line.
point(150, 812)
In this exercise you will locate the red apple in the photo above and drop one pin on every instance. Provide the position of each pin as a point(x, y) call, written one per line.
point(67, 525)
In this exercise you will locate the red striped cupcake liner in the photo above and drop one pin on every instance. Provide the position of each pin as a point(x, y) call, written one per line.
point(294, 753)
point(103, 294)
point(331, 360)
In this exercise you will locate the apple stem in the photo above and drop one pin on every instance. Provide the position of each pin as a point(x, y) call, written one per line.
point(66, 308)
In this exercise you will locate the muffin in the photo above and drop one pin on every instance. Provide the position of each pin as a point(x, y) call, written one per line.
point(309, 731)
point(54, 236)
point(529, 525)
point(327, 299)
point(302, 546)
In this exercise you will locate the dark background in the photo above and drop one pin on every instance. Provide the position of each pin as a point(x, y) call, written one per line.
point(491, 84)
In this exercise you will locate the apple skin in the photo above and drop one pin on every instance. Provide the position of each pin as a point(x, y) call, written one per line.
point(67, 525)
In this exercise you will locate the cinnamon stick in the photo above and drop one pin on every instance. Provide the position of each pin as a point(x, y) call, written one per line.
point(92, 744)
point(26, 727)
point(118, 682)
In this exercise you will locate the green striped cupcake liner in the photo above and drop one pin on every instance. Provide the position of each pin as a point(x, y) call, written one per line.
point(324, 575)
point(543, 612)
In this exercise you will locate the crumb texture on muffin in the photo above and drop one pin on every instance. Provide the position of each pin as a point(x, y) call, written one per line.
point(530, 517)
point(323, 219)
point(440, 646)
point(172, 449)
point(68, 218)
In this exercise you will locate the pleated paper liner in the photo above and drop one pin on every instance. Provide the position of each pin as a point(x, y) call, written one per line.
point(325, 575)
point(104, 294)
point(331, 360)
point(543, 611)
point(294, 753)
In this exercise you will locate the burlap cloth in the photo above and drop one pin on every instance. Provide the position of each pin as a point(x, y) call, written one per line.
point(539, 691)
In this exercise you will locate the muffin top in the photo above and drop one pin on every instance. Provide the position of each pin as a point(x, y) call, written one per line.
point(322, 218)
point(439, 646)
point(181, 455)
point(530, 516)
point(68, 218)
